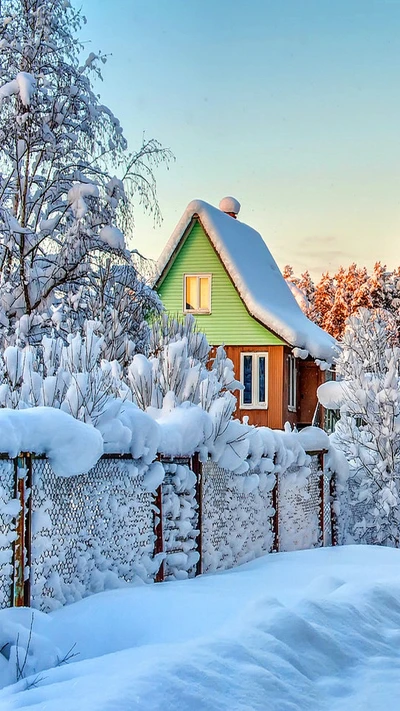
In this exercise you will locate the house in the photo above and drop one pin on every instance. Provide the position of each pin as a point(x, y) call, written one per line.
point(221, 270)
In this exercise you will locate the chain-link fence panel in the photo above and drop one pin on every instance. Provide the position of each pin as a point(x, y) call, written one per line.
point(9, 508)
point(299, 507)
point(89, 532)
point(180, 521)
point(327, 511)
point(236, 525)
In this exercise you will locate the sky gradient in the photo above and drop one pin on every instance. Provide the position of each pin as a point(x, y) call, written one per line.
point(291, 106)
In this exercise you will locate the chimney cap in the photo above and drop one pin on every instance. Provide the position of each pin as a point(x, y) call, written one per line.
point(230, 205)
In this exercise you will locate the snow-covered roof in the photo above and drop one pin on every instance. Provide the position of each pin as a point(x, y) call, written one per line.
point(256, 276)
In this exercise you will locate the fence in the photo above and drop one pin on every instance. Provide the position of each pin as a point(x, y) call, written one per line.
point(65, 538)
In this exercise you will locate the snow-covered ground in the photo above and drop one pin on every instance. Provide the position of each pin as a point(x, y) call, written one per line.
point(313, 630)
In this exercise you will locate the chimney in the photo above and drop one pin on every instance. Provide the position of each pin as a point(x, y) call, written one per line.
point(230, 206)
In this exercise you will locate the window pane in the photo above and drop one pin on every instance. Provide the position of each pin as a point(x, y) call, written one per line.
point(247, 379)
point(191, 293)
point(204, 293)
point(261, 379)
point(292, 382)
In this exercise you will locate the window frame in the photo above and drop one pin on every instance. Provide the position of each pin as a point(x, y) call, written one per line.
point(198, 276)
point(292, 383)
point(255, 380)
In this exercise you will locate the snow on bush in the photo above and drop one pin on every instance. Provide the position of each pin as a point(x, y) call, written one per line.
point(68, 401)
point(180, 518)
point(367, 432)
point(168, 402)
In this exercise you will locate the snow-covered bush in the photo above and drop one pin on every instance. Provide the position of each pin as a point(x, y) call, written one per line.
point(368, 431)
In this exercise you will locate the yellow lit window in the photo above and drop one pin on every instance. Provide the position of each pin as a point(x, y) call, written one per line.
point(197, 293)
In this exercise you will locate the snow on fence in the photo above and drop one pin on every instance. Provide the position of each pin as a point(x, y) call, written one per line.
point(237, 526)
point(65, 538)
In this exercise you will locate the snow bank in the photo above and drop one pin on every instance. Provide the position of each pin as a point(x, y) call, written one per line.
point(257, 277)
point(72, 447)
point(311, 631)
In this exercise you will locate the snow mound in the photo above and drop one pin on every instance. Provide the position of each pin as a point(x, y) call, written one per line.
point(313, 439)
point(324, 637)
point(73, 447)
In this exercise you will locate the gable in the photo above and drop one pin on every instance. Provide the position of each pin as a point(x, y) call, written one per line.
point(229, 321)
point(256, 276)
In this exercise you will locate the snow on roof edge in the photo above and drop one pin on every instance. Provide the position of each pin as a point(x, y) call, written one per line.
point(174, 241)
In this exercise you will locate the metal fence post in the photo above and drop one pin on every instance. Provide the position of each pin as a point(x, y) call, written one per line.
point(275, 517)
point(321, 498)
point(158, 530)
point(332, 496)
point(197, 469)
point(21, 589)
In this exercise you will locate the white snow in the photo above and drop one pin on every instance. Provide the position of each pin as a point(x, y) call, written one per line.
point(27, 86)
point(230, 204)
point(313, 439)
point(153, 477)
point(72, 447)
point(182, 429)
point(24, 84)
point(306, 631)
point(332, 394)
point(301, 353)
point(8, 89)
point(299, 295)
point(112, 236)
point(256, 275)
point(76, 197)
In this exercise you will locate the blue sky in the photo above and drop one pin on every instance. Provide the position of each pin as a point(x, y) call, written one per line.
point(292, 106)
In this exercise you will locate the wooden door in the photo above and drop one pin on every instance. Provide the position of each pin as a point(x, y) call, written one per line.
point(310, 377)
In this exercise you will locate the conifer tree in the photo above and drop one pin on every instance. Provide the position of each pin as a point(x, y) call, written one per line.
point(323, 299)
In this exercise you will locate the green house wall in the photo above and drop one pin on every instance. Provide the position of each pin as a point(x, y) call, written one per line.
point(229, 321)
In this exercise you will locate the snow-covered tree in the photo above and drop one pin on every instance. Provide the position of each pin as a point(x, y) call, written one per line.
point(66, 179)
point(323, 298)
point(368, 431)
